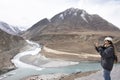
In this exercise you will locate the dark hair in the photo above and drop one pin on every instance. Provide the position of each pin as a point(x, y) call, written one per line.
point(115, 56)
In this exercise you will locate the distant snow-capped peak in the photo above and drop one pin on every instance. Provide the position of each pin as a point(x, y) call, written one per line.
point(9, 28)
point(22, 28)
point(70, 13)
point(75, 12)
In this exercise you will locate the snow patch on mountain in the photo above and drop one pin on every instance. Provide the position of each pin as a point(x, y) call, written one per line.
point(83, 16)
point(75, 14)
point(61, 16)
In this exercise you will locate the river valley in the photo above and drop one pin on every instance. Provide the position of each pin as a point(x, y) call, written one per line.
point(30, 62)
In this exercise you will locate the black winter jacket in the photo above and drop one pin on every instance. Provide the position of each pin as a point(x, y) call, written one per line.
point(107, 57)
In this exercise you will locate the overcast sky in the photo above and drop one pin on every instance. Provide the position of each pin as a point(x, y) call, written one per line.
point(28, 12)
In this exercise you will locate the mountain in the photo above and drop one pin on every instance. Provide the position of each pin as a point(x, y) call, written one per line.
point(8, 41)
point(36, 28)
point(70, 20)
point(79, 19)
point(10, 45)
point(9, 28)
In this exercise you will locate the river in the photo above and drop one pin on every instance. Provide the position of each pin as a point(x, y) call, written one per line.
point(30, 62)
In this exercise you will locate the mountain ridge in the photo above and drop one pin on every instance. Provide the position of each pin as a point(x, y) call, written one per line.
point(70, 20)
point(81, 19)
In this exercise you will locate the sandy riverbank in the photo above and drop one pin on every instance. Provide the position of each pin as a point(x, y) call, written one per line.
point(55, 54)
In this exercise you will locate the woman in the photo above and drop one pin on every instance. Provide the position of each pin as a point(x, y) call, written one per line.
point(107, 53)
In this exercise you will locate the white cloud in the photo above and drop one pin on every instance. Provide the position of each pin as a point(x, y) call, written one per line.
point(28, 12)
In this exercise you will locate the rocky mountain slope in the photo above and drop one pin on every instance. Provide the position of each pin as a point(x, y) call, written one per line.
point(9, 47)
point(36, 29)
